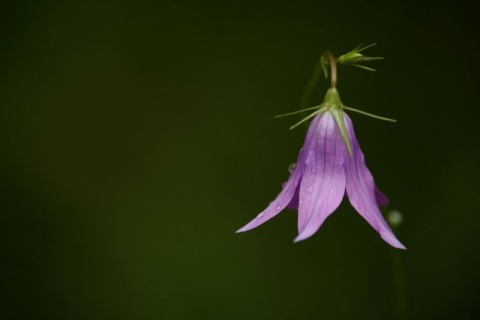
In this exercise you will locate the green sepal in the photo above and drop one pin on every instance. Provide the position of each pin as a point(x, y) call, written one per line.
point(307, 118)
point(338, 116)
point(297, 112)
point(369, 114)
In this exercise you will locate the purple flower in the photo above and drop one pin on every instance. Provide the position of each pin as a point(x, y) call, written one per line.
point(324, 170)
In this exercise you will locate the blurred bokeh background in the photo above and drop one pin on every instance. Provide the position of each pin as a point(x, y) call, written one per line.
point(137, 136)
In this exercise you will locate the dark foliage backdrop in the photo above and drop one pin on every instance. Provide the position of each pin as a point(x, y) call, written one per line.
point(137, 136)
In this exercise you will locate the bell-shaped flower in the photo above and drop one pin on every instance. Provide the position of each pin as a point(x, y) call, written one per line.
point(330, 163)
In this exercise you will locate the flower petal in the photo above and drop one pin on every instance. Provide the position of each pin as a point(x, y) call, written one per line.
point(293, 204)
point(362, 191)
point(382, 200)
point(323, 183)
point(288, 192)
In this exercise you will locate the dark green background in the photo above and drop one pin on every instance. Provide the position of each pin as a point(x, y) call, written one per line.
point(136, 137)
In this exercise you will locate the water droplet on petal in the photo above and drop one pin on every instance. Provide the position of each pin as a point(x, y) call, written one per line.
point(260, 215)
point(291, 167)
point(331, 190)
point(278, 207)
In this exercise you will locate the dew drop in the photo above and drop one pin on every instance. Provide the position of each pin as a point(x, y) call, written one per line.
point(291, 167)
point(278, 207)
point(331, 190)
point(260, 215)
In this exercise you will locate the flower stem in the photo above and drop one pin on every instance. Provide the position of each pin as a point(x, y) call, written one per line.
point(333, 68)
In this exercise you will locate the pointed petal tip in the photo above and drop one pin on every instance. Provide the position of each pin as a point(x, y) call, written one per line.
point(297, 239)
point(391, 240)
point(301, 237)
point(243, 229)
point(399, 246)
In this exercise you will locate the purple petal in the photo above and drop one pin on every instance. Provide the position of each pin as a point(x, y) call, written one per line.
point(361, 190)
point(287, 194)
point(382, 200)
point(293, 204)
point(323, 183)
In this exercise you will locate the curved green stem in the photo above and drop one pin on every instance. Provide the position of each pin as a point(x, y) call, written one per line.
point(333, 68)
